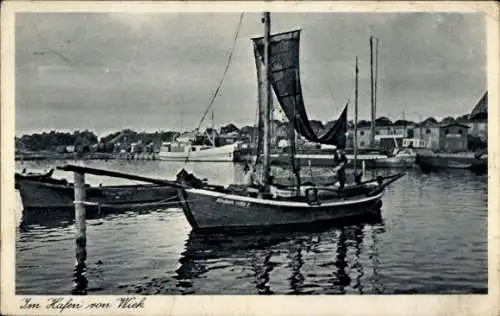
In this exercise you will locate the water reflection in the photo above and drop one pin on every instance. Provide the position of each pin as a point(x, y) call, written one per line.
point(427, 250)
point(62, 218)
point(341, 279)
point(358, 237)
point(261, 272)
point(374, 257)
point(296, 262)
point(261, 253)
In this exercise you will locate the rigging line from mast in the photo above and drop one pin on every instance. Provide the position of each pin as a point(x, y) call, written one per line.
point(228, 64)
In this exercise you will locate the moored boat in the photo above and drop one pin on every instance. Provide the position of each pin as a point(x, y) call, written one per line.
point(403, 158)
point(197, 147)
point(226, 208)
point(429, 161)
point(260, 202)
point(197, 153)
point(50, 194)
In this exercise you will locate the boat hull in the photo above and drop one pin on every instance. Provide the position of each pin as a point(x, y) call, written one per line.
point(216, 154)
point(394, 162)
point(452, 161)
point(210, 210)
point(371, 161)
point(39, 195)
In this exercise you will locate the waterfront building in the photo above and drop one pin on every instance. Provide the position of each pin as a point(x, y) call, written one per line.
point(478, 119)
point(428, 131)
point(453, 137)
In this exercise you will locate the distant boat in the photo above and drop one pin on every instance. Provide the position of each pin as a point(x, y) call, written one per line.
point(401, 157)
point(197, 147)
point(43, 192)
point(265, 203)
point(429, 161)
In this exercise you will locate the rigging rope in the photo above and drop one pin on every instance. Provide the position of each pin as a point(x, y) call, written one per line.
point(214, 95)
point(229, 59)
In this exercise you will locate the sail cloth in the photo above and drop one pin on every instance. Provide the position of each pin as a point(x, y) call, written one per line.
point(337, 134)
point(285, 81)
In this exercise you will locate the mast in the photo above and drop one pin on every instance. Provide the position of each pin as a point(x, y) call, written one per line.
point(356, 118)
point(212, 127)
point(372, 123)
point(420, 125)
point(376, 78)
point(182, 117)
point(211, 137)
point(292, 149)
point(267, 100)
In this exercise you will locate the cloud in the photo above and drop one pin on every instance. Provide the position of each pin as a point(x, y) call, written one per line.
point(139, 69)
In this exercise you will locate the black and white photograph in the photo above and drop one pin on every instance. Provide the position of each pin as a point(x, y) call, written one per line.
point(249, 152)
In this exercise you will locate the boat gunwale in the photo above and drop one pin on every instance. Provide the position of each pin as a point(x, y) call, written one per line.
point(119, 205)
point(322, 204)
point(69, 185)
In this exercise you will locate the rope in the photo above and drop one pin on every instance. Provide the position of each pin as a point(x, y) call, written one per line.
point(228, 64)
point(229, 59)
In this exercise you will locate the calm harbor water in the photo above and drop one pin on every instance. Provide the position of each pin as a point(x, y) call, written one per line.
point(431, 238)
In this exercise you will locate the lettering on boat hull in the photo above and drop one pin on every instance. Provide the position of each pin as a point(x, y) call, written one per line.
point(232, 202)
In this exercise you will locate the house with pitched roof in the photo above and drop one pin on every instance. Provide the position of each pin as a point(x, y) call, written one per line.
point(478, 118)
point(428, 130)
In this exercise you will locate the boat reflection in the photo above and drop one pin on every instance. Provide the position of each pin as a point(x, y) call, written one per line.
point(63, 218)
point(261, 253)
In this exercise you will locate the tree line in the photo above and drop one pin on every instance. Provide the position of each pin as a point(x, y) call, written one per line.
point(86, 140)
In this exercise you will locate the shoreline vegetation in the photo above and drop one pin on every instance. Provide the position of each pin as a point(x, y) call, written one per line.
point(132, 145)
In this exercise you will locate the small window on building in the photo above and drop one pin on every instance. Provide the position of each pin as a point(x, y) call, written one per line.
point(362, 143)
point(460, 131)
point(427, 131)
point(447, 131)
point(377, 133)
point(362, 133)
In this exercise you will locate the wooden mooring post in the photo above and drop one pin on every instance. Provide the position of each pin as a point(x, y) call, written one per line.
point(80, 271)
point(80, 281)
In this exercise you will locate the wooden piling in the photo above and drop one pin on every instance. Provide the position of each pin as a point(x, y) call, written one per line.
point(79, 273)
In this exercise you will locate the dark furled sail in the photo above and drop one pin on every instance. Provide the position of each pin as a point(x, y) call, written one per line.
point(337, 134)
point(285, 81)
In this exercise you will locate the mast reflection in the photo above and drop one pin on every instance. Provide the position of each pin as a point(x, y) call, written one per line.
point(296, 263)
point(358, 235)
point(254, 252)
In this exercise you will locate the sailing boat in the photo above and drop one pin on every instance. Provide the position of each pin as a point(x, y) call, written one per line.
point(265, 203)
point(199, 146)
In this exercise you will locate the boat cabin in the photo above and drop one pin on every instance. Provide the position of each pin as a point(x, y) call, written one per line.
point(387, 143)
point(414, 143)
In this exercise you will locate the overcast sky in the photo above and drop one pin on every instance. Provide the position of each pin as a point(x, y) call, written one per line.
point(107, 72)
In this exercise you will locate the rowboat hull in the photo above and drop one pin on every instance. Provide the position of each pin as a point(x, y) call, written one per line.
point(41, 195)
point(211, 210)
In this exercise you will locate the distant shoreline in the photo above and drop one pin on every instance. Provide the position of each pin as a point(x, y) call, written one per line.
point(87, 156)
